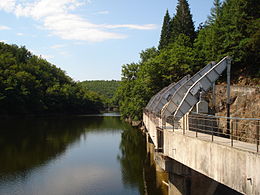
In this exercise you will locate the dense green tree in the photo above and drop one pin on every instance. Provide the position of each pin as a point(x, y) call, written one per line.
point(105, 89)
point(154, 71)
point(233, 31)
point(31, 85)
point(232, 28)
point(166, 31)
point(214, 12)
point(182, 22)
point(102, 87)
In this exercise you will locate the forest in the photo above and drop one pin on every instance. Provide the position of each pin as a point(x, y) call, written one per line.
point(232, 28)
point(31, 85)
point(106, 89)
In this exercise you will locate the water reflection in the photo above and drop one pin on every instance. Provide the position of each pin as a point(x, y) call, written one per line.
point(26, 143)
point(132, 158)
point(72, 155)
point(137, 167)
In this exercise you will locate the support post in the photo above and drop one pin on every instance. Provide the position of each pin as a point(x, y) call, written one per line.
point(214, 92)
point(228, 94)
point(197, 121)
point(212, 130)
point(257, 135)
point(232, 138)
point(214, 97)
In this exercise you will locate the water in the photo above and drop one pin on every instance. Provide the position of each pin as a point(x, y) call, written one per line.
point(74, 156)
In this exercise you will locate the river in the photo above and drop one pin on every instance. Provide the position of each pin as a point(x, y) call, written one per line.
point(74, 155)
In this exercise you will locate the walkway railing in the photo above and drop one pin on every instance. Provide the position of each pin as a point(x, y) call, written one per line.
point(241, 129)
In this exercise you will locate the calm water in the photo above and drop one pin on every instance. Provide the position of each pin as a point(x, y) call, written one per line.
point(73, 156)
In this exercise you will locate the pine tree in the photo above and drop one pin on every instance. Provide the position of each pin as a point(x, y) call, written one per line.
point(182, 22)
point(214, 12)
point(165, 33)
point(234, 31)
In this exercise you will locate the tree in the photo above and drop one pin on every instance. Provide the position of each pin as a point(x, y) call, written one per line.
point(182, 22)
point(166, 31)
point(31, 85)
point(233, 30)
point(214, 12)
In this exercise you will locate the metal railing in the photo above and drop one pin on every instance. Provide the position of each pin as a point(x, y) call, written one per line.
point(234, 128)
point(246, 130)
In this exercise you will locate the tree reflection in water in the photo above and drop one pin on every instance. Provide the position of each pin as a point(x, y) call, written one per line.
point(30, 142)
point(135, 164)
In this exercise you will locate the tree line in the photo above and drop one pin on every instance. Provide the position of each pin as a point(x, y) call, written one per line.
point(31, 85)
point(232, 28)
point(106, 89)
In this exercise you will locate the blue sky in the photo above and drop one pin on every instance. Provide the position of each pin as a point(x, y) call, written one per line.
point(89, 39)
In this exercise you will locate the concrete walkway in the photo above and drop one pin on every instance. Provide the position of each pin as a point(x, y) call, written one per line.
point(220, 140)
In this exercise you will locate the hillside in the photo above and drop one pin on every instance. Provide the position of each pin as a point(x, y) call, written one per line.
point(31, 85)
point(106, 89)
point(103, 87)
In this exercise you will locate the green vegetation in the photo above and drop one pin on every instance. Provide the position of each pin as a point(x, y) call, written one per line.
point(31, 85)
point(232, 28)
point(106, 89)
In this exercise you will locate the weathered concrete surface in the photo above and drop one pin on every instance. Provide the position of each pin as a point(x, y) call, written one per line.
point(160, 174)
point(236, 168)
point(151, 129)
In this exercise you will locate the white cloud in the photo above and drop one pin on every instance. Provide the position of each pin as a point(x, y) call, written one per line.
point(19, 34)
point(4, 27)
point(7, 5)
point(55, 16)
point(103, 12)
point(133, 26)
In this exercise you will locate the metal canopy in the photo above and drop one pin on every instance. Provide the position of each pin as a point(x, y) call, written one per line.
point(202, 84)
point(166, 95)
point(158, 97)
point(150, 102)
point(179, 94)
point(154, 99)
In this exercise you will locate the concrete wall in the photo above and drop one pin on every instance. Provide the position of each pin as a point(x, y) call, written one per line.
point(238, 169)
point(151, 129)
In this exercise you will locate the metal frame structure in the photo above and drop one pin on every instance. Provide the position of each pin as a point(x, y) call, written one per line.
point(166, 95)
point(202, 84)
point(188, 95)
point(154, 99)
point(179, 94)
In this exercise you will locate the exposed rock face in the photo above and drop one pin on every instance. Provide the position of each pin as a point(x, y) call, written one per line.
point(245, 103)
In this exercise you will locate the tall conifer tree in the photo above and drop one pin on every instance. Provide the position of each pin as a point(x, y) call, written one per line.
point(214, 12)
point(165, 33)
point(182, 22)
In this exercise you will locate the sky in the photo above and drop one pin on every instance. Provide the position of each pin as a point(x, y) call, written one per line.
point(89, 39)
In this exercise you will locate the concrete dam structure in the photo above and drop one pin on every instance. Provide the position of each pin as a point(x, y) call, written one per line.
point(183, 129)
